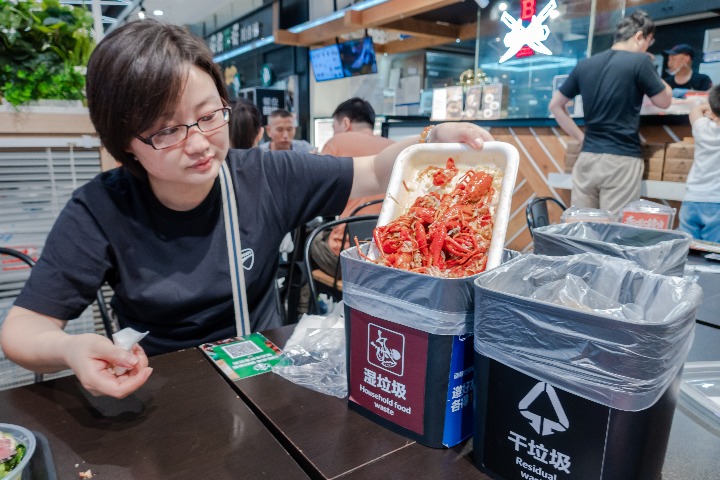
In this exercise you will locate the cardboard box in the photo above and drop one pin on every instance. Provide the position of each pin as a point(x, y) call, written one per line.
point(653, 150)
point(674, 177)
point(654, 164)
point(680, 150)
point(652, 176)
point(573, 146)
point(570, 159)
point(677, 165)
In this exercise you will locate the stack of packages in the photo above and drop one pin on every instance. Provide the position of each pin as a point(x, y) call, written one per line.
point(653, 155)
point(678, 160)
point(571, 154)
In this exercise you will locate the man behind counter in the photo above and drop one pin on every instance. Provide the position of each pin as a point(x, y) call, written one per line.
point(681, 77)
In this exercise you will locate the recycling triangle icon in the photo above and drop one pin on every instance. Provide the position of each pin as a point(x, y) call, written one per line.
point(544, 426)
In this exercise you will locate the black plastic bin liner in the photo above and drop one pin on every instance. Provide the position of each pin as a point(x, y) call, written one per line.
point(625, 364)
point(660, 251)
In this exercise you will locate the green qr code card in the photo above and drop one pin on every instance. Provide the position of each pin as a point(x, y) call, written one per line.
point(242, 357)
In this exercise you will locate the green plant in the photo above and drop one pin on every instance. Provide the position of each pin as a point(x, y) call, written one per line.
point(44, 47)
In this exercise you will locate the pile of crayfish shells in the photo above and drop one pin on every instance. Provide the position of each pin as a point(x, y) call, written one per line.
point(445, 235)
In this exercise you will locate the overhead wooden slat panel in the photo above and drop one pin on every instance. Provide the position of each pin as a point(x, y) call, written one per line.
point(397, 13)
point(410, 44)
point(422, 28)
point(465, 32)
point(397, 10)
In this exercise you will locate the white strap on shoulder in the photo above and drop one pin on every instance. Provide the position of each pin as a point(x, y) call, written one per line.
point(232, 233)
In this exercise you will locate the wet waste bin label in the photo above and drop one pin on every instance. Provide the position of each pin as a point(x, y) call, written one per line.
point(387, 370)
point(536, 431)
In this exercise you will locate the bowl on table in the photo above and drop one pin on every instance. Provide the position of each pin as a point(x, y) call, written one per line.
point(24, 437)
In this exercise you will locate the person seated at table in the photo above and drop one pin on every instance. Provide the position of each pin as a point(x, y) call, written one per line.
point(246, 128)
point(154, 228)
point(353, 122)
point(281, 130)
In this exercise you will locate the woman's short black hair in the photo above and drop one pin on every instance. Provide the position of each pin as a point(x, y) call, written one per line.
point(136, 75)
point(245, 124)
point(638, 21)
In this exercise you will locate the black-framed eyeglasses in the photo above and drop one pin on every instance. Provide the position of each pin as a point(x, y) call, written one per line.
point(171, 136)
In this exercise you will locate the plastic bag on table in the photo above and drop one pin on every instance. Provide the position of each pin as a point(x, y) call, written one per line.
point(314, 356)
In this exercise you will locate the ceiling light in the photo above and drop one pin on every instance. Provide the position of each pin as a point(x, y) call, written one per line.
point(157, 13)
point(141, 13)
point(502, 6)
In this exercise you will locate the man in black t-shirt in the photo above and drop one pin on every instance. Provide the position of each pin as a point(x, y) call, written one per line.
point(681, 77)
point(609, 169)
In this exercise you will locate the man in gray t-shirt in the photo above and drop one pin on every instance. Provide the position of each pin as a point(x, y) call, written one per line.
point(281, 130)
point(609, 169)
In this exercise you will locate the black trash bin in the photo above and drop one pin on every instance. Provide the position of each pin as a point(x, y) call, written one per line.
point(660, 251)
point(409, 350)
point(569, 392)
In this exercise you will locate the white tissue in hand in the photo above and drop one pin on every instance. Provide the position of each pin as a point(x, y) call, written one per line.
point(125, 339)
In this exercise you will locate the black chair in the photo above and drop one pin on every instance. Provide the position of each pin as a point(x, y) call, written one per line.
point(536, 212)
point(359, 208)
point(102, 307)
point(361, 230)
point(360, 226)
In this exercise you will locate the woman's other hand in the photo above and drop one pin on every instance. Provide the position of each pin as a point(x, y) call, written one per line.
point(93, 357)
point(460, 132)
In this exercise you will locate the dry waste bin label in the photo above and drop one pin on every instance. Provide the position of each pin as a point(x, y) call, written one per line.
point(387, 370)
point(536, 431)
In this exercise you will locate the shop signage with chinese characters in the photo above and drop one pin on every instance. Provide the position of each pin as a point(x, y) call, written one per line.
point(528, 31)
point(235, 36)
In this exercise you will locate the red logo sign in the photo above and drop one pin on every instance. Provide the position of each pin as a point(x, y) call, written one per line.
point(647, 220)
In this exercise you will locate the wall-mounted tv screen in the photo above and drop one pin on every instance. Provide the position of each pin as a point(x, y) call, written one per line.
point(326, 63)
point(358, 57)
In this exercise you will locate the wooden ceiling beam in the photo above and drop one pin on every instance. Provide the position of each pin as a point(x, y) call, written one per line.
point(400, 9)
point(328, 31)
point(373, 17)
point(423, 28)
point(410, 44)
point(466, 32)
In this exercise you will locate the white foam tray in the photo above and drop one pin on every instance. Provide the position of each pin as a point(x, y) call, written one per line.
point(416, 158)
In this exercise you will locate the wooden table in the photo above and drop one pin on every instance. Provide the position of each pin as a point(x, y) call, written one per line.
point(185, 423)
point(331, 441)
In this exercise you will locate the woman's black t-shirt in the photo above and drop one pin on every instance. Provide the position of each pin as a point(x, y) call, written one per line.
point(170, 269)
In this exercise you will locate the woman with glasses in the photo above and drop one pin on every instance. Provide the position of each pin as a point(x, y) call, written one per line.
point(155, 228)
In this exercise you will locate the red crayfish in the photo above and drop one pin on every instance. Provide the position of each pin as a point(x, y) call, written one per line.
point(446, 235)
